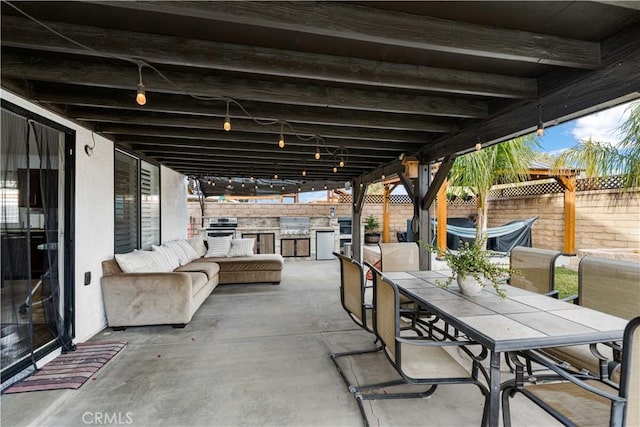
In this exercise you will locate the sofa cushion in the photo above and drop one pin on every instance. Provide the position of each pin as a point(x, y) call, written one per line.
point(188, 250)
point(258, 262)
point(161, 261)
point(177, 249)
point(171, 257)
point(241, 248)
point(137, 262)
point(208, 268)
point(218, 246)
point(197, 243)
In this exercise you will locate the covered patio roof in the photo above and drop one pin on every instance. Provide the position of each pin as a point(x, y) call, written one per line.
point(364, 83)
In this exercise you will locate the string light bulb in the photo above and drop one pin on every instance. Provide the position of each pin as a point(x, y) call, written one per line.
point(341, 162)
point(141, 96)
point(335, 169)
point(275, 175)
point(383, 177)
point(317, 155)
point(304, 172)
point(540, 127)
point(227, 120)
point(281, 140)
point(478, 146)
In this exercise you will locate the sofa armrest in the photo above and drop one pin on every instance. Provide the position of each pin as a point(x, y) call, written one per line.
point(134, 299)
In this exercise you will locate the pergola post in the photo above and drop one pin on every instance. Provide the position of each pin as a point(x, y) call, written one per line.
point(569, 183)
point(424, 231)
point(356, 218)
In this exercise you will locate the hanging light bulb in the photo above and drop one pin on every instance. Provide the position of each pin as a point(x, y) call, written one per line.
point(383, 177)
point(283, 187)
point(325, 186)
point(335, 169)
point(227, 120)
point(281, 141)
point(478, 146)
point(304, 172)
point(213, 183)
point(313, 188)
point(298, 189)
point(317, 155)
point(209, 181)
point(242, 185)
point(341, 162)
point(275, 175)
point(540, 127)
point(141, 97)
point(271, 185)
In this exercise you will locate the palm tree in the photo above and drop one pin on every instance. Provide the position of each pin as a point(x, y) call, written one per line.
point(604, 159)
point(501, 163)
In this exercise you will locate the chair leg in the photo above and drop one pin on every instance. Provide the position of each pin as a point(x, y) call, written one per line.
point(506, 412)
point(335, 356)
point(409, 395)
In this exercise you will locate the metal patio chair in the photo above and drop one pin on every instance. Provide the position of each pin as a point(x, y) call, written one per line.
point(579, 399)
point(353, 297)
point(418, 360)
point(610, 286)
point(536, 268)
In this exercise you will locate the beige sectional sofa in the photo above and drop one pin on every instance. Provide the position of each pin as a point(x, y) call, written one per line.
point(172, 297)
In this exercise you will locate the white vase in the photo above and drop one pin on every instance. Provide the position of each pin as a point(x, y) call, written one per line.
point(469, 285)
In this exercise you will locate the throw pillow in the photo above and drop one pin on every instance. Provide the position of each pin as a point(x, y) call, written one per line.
point(169, 255)
point(241, 247)
point(197, 243)
point(160, 260)
point(188, 250)
point(136, 262)
point(177, 249)
point(218, 246)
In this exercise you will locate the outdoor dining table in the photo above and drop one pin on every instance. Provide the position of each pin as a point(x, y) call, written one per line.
point(521, 321)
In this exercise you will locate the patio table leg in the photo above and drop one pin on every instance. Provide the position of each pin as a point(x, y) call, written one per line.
point(493, 417)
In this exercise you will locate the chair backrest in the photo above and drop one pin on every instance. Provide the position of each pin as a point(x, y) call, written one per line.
point(610, 285)
point(630, 375)
point(399, 256)
point(536, 268)
point(352, 290)
point(386, 312)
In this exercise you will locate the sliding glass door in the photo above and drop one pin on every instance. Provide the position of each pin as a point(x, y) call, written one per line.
point(36, 293)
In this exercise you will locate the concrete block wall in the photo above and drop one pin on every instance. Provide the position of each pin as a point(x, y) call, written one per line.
point(604, 219)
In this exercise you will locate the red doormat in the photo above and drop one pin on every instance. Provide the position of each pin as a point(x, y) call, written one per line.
point(72, 369)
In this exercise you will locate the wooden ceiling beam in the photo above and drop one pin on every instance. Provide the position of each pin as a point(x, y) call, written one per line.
point(119, 122)
point(126, 133)
point(26, 34)
point(107, 100)
point(367, 24)
point(89, 73)
point(256, 146)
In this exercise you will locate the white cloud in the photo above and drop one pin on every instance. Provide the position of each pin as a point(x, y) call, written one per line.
point(602, 126)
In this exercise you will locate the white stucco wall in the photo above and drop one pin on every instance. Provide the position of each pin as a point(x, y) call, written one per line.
point(94, 216)
point(173, 205)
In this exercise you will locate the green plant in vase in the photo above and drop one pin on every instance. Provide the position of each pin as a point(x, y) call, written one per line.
point(472, 264)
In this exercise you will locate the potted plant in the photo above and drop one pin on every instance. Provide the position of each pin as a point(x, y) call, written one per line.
point(371, 226)
point(472, 268)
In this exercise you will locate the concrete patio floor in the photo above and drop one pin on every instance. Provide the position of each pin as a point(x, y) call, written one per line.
point(252, 355)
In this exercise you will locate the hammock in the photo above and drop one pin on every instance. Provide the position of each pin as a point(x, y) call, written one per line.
point(501, 239)
point(502, 230)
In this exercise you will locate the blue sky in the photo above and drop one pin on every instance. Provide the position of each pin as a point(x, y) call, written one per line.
point(602, 126)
